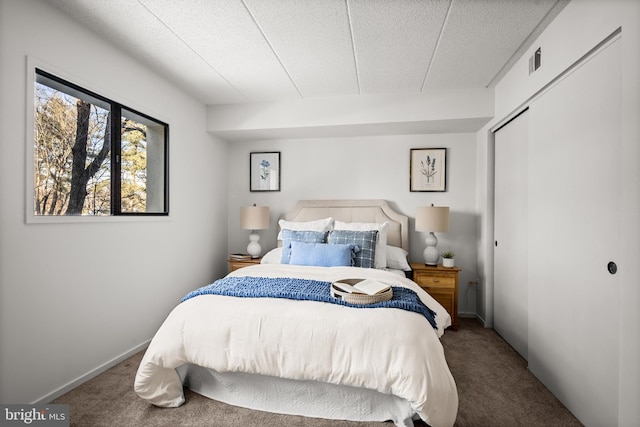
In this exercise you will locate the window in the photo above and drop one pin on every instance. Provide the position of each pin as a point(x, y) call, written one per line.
point(93, 156)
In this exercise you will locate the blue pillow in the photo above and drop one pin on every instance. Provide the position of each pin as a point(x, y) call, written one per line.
point(305, 236)
point(321, 254)
point(365, 240)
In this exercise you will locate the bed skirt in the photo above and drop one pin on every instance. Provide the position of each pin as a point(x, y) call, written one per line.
point(295, 397)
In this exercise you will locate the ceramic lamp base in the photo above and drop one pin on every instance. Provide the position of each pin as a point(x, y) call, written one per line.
point(431, 255)
point(254, 249)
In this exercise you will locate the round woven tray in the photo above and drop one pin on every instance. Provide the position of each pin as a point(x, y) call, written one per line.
point(360, 298)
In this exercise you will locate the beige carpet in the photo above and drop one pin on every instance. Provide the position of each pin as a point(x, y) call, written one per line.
point(494, 386)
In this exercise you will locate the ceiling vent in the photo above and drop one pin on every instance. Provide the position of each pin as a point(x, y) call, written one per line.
point(535, 61)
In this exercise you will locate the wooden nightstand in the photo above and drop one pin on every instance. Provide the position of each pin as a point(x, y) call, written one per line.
point(235, 264)
point(441, 283)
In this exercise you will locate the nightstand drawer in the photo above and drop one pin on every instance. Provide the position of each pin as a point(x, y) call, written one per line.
point(434, 280)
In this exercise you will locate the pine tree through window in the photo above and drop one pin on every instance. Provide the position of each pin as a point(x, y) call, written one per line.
point(95, 157)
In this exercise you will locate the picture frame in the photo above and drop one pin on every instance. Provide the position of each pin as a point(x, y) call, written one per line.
point(428, 169)
point(264, 171)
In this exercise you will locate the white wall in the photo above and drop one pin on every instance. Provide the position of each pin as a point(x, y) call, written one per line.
point(74, 297)
point(365, 168)
point(577, 29)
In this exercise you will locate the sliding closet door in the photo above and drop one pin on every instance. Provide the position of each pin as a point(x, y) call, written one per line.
point(574, 206)
point(510, 301)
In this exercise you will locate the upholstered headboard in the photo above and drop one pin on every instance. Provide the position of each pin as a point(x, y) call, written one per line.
point(377, 211)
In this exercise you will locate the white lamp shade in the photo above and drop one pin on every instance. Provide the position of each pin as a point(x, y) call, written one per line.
point(432, 218)
point(254, 217)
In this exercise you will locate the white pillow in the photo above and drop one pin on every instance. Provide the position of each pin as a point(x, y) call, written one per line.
point(397, 258)
point(324, 224)
point(380, 260)
point(274, 256)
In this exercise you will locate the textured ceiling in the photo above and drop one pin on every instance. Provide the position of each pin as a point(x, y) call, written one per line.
point(239, 51)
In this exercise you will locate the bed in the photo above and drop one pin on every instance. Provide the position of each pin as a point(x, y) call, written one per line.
point(303, 354)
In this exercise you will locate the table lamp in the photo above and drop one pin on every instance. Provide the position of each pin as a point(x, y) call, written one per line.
point(254, 218)
point(432, 219)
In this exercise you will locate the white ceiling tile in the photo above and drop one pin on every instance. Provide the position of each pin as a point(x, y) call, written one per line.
point(394, 42)
point(224, 34)
point(313, 41)
point(479, 37)
point(130, 27)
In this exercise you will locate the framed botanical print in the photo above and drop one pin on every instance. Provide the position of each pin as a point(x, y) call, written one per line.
point(264, 171)
point(428, 169)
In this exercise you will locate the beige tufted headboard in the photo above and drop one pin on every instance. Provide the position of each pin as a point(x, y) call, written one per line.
point(377, 211)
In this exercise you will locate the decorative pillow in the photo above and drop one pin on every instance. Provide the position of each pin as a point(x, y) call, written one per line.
point(365, 240)
point(381, 244)
point(274, 256)
point(322, 254)
point(397, 258)
point(306, 236)
point(325, 224)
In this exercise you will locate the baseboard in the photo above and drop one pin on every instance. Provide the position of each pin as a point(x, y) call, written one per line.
point(482, 320)
point(474, 316)
point(93, 373)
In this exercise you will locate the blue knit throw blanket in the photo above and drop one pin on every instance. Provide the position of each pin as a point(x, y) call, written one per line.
point(307, 290)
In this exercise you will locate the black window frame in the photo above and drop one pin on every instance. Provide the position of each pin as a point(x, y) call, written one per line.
point(115, 150)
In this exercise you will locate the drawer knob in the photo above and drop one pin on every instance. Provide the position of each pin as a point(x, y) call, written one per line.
point(436, 280)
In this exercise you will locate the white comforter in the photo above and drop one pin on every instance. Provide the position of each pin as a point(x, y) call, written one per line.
point(389, 350)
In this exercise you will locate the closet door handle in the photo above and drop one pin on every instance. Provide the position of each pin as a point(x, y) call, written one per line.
point(612, 267)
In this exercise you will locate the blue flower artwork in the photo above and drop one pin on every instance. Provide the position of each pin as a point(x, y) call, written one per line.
point(264, 174)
